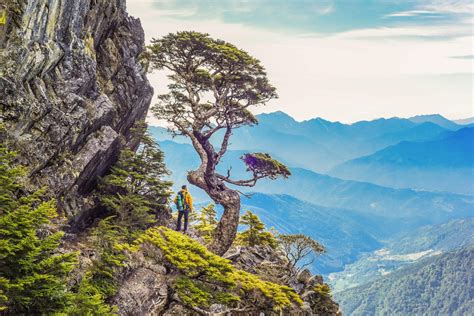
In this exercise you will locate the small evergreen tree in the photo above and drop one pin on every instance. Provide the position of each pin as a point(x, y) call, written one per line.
point(100, 281)
point(206, 222)
point(135, 191)
point(33, 274)
point(255, 233)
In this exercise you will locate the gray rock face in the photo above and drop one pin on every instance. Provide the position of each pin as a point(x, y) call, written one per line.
point(271, 266)
point(71, 87)
point(144, 288)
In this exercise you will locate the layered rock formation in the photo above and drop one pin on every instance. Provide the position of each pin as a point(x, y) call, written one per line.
point(71, 87)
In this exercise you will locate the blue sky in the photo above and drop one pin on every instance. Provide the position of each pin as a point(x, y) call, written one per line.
point(318, 16)
point(342, 60)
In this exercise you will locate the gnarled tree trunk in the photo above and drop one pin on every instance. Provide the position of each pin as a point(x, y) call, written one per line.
point(205, 178)
point(229, 199)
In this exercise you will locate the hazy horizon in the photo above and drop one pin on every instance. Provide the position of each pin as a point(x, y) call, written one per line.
point(159, 124)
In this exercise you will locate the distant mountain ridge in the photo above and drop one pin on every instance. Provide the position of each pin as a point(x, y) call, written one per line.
point(436, 119)
point(408, 207)
point(352, 218)
point(341, 231)
point(419, 164)
point(319, 144)
point(465, 121)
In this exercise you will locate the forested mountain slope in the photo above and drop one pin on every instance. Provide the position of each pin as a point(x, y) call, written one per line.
point(403, 250)
point(343, 232)
point(440, 285)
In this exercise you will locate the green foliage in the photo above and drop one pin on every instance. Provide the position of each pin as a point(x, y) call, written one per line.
point(262, 164)
point(323, 290)
point(135, 191)
point(205, 273)
point(208, 65)
point(108, 239)
point(255, 233)
point(206, 222)
point(89, 300)
point(300, 250)
point(33, 274)
point(100, 281)
point(436, 285)
point(192, 293)
point(10, 179)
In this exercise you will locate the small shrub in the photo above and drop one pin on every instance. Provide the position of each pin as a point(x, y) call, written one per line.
point(206, 222)
point(300, 251)
point(255, 233)
point(323, 290)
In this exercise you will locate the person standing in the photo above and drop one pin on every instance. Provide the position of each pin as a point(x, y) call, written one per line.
point(184, 204)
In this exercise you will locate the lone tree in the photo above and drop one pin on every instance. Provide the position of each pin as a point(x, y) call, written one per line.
point(213, 85)
point(300, 251)
point(255, 234)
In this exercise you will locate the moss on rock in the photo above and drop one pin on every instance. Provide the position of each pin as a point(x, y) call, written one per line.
point(208, 278)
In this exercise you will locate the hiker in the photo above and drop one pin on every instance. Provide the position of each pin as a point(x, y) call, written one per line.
point(184, 204)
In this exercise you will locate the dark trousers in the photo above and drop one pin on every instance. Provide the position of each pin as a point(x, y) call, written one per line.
point(180, 216)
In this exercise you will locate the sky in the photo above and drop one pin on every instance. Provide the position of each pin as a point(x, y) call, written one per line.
point(342, 60)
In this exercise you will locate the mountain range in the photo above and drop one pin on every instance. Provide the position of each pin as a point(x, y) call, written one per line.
point(419, 165)
point(341, 231)
point(320, 145)
point(394, 208)
point(403, 250)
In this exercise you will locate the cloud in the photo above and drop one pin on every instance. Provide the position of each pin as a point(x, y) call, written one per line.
point(463, 57)
point(434, 32)
point(437, 8)
point(410, 13)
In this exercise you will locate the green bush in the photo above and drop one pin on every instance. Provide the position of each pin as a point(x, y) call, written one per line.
point(33, 273)
point(255, 234)
point(206, 222)
point(135, 191)
point(100, 281)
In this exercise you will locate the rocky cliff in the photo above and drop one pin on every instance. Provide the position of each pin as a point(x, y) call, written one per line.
point(71, 87)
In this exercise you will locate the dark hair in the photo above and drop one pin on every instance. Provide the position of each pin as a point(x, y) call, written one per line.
point(184, 187)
